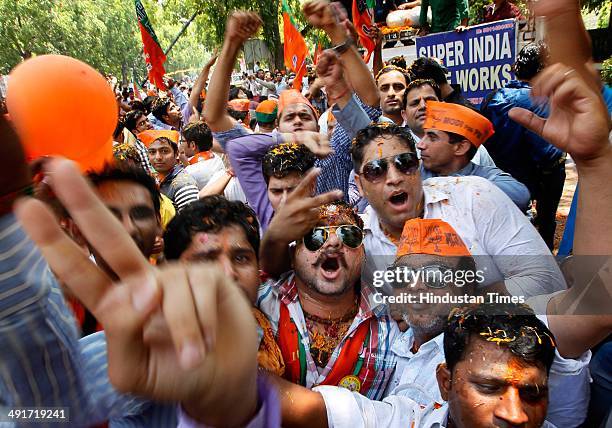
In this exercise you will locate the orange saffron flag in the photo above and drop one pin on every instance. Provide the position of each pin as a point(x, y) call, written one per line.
point(296, 50)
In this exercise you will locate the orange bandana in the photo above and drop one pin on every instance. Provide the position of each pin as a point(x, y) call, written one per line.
point(293, 96)
point(147, 137)
point(200, 157)
point(430, 236)
point(458, 119)
point(239, 104)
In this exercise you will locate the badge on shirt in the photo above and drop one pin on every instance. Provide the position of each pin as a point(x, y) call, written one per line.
point(350, 382)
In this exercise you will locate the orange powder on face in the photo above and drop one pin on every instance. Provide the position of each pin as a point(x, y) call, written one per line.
point(513, 371)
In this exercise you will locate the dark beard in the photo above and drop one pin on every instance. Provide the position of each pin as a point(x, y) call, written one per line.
point(312, 284)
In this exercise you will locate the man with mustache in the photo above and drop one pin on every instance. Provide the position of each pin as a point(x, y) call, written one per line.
point(328, 329)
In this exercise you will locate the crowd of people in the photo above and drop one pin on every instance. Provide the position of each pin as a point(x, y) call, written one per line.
point(354, 254)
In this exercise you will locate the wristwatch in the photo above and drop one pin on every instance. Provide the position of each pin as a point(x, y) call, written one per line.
point(340, 49)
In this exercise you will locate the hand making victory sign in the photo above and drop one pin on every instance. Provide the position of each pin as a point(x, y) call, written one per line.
point(207, 316)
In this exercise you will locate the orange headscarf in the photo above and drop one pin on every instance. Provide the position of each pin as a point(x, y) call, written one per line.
point(460, 120)
point(430, 236)
point(293, 96)
point(147, 137)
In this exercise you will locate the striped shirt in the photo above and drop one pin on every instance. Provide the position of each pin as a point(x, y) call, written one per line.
point(379, 361)
point(180, 187)
point(145, 163)
point(40, 364)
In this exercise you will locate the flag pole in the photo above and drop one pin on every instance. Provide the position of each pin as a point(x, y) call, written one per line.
point(187, 24)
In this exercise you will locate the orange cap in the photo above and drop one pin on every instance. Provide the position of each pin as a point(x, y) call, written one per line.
point(458, 119)
point(239, 104)
point(430, 236)
point(147, 137)
point(293, 96)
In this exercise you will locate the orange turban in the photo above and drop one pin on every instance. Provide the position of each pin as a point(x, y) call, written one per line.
point(147, 137)
point(430, 236)
point(293, 96)
point(458, 119)
point(239, 104)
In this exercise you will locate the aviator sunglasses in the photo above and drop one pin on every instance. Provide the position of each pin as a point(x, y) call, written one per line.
point(406, 163)
point(349, 234)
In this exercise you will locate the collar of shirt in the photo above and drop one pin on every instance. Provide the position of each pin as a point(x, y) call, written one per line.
point(371, 222)
point(402, 347)
point(175, 171)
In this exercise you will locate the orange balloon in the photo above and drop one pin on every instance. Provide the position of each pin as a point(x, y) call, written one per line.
point(96, 160)
point(61, 106)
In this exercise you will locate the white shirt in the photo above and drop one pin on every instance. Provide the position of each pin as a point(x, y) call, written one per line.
point(203, 170)
point(413, 390)
point(505, 246)
point(233, 191)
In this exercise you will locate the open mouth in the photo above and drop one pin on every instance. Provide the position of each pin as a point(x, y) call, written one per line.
point(330, 267)
point(399, 198)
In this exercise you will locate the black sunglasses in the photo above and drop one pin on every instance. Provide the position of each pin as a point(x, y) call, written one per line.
point(349, 234)
point(406, 163)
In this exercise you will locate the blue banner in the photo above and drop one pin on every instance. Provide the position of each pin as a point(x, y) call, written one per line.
point(479, 59)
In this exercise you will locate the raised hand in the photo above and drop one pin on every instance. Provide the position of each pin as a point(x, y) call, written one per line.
point(320, 14)
point(317, 143)
point(299, 212)
point(241, 26)
point(578, 122)
point(205, 316)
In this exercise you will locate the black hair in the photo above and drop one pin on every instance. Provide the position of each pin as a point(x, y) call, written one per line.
point(238, 115)
point(119, 128)
point(398, 61)
point(389, 68)
point(418, 83)
point(209, 214)
point(233, 93)
point(428, 68)
point(168, 141)
point(199, 133)
point(456, 138)
point(384, 130)
point(531, 60)
point(286, 158)
point(513, 326)
point(148, 103)
point(131, 117)
point(160, 107)
point(133, 174)
point(138, 105)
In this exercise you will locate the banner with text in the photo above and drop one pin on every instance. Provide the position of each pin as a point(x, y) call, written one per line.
point(479, 59)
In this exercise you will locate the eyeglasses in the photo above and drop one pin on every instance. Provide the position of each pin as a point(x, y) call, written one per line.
point(406, 163)
point(349, 234)
point(433, 276)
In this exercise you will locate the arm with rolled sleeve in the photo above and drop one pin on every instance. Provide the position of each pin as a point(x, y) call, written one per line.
point(346, 409)
point(246, 154)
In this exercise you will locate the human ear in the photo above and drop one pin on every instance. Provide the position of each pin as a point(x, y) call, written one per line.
point(443, 375)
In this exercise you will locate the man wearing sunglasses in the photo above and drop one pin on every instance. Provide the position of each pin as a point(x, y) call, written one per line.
point(426, 270)
point(329, 329)
point(513, 256)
